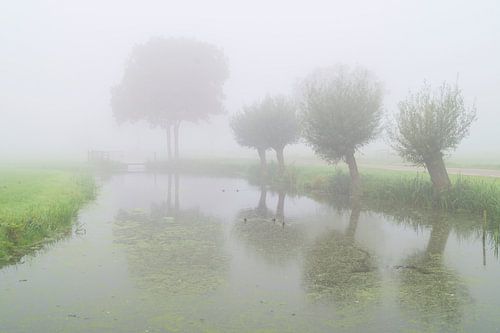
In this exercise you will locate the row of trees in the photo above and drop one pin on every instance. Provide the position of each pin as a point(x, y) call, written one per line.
point(337, 110)
point(340, 111)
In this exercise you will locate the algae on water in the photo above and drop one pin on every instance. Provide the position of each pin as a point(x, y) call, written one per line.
point(338, 270)
point(266, 232)
point(180, 254)
point(429, 290)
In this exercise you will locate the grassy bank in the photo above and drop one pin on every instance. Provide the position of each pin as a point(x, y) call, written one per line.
point(382, 189)
point(395, 190)
point(36, 205)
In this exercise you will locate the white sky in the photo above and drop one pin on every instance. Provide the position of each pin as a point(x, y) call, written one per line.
point(58, 60)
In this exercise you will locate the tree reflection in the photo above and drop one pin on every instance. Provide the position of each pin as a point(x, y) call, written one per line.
point(170, 250)
point(338, 270)
point(280, 208)
point(267, 233)
point(429, 289)
point(165, 209)
point(260, 211)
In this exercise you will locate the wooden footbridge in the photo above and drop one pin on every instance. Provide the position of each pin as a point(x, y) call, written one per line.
point(129, 161)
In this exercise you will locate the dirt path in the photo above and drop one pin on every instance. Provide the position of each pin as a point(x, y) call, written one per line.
point(462, 171)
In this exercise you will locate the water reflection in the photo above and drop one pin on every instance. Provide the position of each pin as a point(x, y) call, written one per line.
point(267, 234)
point(294, 265)
point(13, 253)
point(165, 209)
point(171, 250)
point(430, 290)
point(260, 211)
point(339, 270)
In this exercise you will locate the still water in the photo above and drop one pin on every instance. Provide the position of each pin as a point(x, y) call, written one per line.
point(166, 253)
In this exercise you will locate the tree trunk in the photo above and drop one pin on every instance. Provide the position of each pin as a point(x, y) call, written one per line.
point(262, 156)
point(169, 143)
point(439, 175)
point(176, 138)
point(356, 190)
point(281, 159)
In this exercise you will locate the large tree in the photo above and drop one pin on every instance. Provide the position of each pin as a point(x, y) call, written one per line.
point(268, 124)
point(170, 80)
point(280, 125)
point(247, 129)
point(430, 124)
point(342, 108)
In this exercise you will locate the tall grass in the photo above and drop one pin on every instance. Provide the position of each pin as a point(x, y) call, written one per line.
point(468, 194)
point(36, 205)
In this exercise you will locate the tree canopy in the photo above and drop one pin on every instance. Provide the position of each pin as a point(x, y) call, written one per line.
point(247, 127)
point(280, 124)
point(342, 110)
point(170, 79)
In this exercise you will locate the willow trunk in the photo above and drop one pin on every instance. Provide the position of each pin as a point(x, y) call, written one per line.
point(439, 174)
point(356, 190)
point(263, 163)
point(281, 159)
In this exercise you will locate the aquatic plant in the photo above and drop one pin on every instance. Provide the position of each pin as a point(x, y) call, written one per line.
point(180, 253)
point(275, 242)
point(339, 270)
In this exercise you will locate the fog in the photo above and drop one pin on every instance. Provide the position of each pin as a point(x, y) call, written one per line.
point(59, 59)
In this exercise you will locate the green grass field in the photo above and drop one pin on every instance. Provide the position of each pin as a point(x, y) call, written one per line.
point(36, 205)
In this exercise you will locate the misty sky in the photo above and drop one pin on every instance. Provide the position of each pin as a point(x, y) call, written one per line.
point(58, 60)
